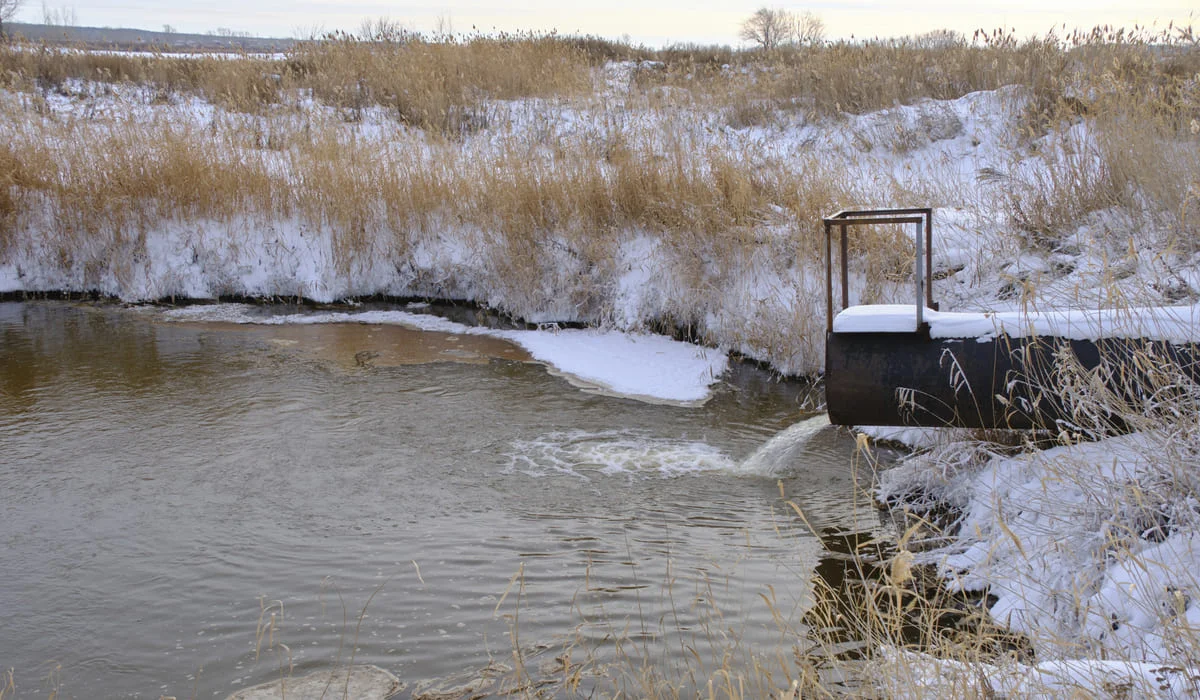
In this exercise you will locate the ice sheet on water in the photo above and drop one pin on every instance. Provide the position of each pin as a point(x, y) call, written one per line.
point(635, 365)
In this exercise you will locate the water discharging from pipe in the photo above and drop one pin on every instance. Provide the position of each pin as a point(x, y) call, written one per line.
point(780, 452)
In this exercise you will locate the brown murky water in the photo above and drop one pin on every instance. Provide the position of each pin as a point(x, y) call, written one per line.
point(162, 484)
point(350, 345)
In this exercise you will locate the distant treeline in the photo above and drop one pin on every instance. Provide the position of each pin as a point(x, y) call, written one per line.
point(140, 39)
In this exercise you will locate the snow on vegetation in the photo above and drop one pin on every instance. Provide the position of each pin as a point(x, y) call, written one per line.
point(924, 676)
point(1088, 548)
point(1091, 549)
point(579, 181)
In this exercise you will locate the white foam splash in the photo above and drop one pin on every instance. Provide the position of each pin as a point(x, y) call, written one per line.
point(585, 454)
point(779, 452)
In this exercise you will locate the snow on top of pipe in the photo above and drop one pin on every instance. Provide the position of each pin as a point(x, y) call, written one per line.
point(1175, 324)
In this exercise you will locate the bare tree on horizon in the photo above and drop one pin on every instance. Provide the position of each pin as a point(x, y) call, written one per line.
point(810, 29)
point(8, 8)
point(773, 28)
point(768, 28)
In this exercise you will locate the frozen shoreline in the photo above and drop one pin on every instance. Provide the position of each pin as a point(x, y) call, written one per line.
point(640, 366)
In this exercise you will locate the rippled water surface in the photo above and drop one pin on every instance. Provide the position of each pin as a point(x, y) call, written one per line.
point(167, 488)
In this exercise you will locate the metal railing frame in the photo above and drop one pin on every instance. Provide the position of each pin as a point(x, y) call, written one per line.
point(922, 263)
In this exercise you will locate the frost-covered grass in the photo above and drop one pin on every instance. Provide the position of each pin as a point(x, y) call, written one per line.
point(1090, 548)
point(627, 194)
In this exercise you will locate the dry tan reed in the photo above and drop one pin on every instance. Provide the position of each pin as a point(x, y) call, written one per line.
point(440, 84)
point(532, 194)
point(108, 186)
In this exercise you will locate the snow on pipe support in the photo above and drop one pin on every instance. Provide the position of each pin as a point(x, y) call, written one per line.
point(922, 261)
point(911, 379)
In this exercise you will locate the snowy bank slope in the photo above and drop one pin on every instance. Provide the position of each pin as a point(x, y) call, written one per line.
point(1089, 549)
point(500, 228)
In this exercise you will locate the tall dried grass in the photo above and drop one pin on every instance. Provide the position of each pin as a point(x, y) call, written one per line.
point(431, 82)
point(452, 156)
point(438, 85)
point(859, 77)
point(107, 186)
point(1118, 137)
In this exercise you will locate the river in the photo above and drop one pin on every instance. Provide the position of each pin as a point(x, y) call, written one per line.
point(187, 509)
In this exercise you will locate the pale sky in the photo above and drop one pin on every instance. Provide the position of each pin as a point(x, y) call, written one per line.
point(655, 23)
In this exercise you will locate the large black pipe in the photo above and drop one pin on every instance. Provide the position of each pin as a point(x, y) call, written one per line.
point(910, 379)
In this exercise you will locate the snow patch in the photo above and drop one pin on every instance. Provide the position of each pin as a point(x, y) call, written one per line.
point(1095, 543)
point(915, 675)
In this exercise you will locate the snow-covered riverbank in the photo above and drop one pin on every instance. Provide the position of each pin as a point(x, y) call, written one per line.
point(755, 288)
point(1091, 550)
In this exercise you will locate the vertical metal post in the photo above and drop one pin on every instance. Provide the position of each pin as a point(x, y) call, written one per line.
point(828, 280)
point(845, 270)
point(919, 273)
point(929, 258)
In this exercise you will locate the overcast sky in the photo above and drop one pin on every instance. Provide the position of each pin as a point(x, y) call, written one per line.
point(655, 22)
